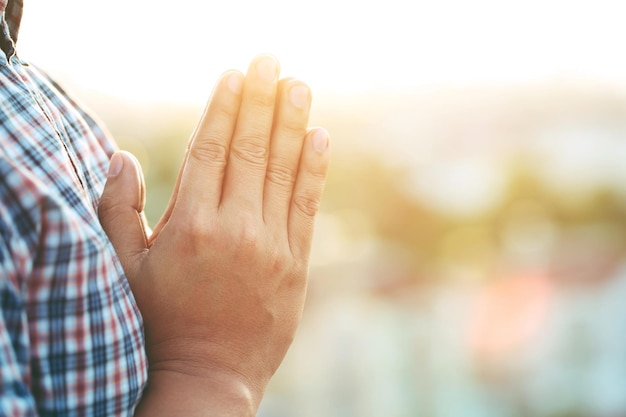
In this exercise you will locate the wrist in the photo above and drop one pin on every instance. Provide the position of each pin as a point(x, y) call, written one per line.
point(201, 358)
point(178, 392)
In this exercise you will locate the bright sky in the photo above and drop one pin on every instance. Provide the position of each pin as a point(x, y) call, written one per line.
point(175, 50)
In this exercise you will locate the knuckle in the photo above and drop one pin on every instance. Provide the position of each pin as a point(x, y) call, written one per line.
point(210, 151)
point(224, 114)
point(262, 102)
point(250, 150)
point(108, 208)
point(280, 262)
point(246, 238)
point(104, 205)
point(281, 175)
point(317, 173)
point(293, 126)
point(197, 235)
point(307, 204)
point(300, 268)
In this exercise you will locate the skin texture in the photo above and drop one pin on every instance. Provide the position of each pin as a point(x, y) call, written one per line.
point(222, 279)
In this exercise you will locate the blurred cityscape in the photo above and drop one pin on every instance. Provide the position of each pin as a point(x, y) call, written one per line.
point(469, 256)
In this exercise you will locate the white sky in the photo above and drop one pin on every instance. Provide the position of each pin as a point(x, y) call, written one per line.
point(175, 50)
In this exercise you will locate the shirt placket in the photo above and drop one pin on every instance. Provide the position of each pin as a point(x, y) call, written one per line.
point(54, 120)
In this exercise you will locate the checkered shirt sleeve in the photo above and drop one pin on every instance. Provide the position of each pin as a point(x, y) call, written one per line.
point(71, 340)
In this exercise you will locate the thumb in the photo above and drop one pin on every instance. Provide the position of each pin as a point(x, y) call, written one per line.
point(120, 210)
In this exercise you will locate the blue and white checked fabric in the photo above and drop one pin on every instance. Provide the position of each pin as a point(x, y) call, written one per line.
point(71, 339)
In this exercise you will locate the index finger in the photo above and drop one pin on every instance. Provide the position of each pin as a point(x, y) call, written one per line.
point(201, 182)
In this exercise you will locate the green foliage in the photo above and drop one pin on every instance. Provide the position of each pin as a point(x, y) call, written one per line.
point(377, 189)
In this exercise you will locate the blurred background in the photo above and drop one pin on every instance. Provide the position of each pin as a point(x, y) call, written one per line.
point(469, 257)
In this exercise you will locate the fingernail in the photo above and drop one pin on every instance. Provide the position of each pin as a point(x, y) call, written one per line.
point(320, 140)
point(299, 96)
point(115, 166)
point(235, 81)
point(267, 68)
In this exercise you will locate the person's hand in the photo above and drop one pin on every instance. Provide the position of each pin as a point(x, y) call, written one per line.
point(221, 282)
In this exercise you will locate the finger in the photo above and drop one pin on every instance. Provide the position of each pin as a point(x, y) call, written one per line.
point(308, 190)
point(249, 150)
point(202, 174)
point(292, 114)
point(120, 210)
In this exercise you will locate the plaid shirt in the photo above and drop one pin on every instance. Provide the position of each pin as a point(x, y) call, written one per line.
point(71, 339)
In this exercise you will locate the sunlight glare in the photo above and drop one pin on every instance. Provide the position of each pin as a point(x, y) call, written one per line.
point(152, 50)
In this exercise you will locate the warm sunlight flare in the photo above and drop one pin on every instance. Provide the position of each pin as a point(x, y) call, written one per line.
point(138, 49)
point(469, 258)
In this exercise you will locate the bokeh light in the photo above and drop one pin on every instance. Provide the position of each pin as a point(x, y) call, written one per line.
point(469, 256)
